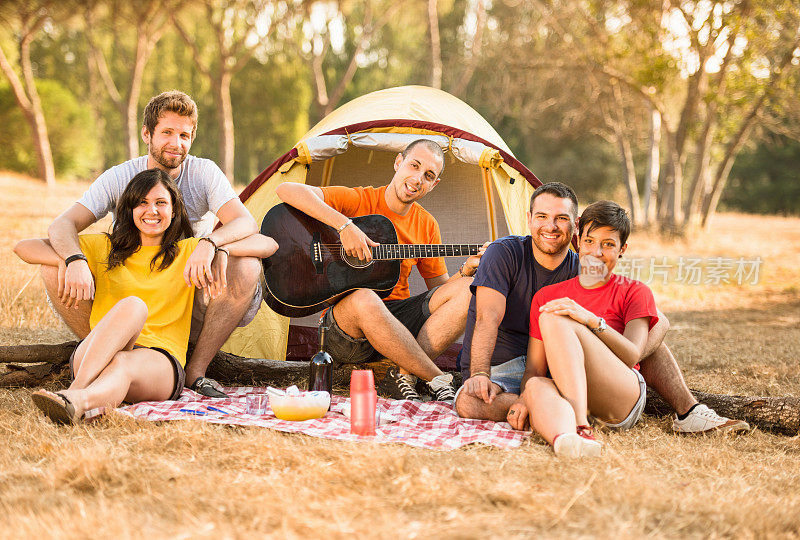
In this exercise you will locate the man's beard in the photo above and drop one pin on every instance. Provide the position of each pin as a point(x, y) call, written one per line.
point(168, 163)
point(551, 250)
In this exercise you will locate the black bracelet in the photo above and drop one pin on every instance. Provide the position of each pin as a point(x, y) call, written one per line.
point(76, 257)
point(210, 241)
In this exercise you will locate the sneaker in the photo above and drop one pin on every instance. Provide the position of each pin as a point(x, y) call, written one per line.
point(701, 419)
point(208, 387)
point(572, 445)
point(587, 432)
point(441, 388)
point(395, 385)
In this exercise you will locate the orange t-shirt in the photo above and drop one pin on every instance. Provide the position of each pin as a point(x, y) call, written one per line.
point(416, 227)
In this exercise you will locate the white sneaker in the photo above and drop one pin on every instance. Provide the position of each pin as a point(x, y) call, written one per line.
point(704, 420)
point(572, 445)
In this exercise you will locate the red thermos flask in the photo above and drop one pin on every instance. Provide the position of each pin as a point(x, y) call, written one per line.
point(363, 401)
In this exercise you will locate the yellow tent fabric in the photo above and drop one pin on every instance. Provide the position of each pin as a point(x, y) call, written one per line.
point(416, 108)
point(410, 103)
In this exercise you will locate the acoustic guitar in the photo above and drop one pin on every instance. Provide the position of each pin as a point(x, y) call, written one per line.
point(311, 271)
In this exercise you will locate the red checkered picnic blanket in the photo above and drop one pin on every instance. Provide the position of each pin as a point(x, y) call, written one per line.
point(431, 425)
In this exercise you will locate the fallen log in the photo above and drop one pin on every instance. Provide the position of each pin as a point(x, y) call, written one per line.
point(47, 362)
point(779, 414)
point(58, 353)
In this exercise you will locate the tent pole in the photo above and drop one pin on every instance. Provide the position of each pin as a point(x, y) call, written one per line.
point(487, 190)
point(327, 172)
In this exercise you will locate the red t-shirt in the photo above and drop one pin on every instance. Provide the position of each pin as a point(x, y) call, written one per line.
point(619, 301)
point(418, 226)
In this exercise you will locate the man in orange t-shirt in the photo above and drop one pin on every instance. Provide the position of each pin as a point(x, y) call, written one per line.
point(409, 331)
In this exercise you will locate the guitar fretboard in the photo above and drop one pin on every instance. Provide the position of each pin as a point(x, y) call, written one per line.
point(421, 251)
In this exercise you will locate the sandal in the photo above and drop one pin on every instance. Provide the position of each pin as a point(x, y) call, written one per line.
point(56, 407)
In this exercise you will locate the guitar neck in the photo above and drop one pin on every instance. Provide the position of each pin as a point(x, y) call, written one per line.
point(422, 251)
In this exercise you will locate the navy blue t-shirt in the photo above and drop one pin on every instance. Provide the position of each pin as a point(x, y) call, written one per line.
point(508, 266)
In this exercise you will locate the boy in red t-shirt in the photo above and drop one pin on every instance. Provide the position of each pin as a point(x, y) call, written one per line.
point(587, 336)
point(409, 331)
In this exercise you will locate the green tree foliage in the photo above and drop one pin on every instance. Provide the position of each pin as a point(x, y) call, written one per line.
point(271, 99)
point(766, 179)
point(73, 137)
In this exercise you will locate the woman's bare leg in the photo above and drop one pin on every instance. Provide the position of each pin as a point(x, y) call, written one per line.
point(586, 372)
point(550, 414)
point(138, 375)
point(115, 332)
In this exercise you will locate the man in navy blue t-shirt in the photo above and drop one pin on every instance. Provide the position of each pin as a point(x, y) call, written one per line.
point(496, 336)
point(511, 271)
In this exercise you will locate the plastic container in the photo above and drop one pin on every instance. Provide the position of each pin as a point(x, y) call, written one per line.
point(363, 402)
point(299, 407)
point(257, 404)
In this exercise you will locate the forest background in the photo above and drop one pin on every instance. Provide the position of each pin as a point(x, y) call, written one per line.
point(676, 107)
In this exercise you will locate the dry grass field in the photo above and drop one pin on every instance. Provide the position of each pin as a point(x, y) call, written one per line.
point(119, 478)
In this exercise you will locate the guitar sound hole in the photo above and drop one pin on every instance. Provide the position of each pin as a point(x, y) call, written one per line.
point(355, 262)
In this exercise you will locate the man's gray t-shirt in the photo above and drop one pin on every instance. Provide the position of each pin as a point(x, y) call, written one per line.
point(202, 184)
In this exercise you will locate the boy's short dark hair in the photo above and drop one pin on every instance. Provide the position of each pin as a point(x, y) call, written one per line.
point(557, 189)
point(605, 214)
point(170, 101)
point(430, 145)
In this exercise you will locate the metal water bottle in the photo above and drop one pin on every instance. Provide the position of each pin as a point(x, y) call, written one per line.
point(320, 369)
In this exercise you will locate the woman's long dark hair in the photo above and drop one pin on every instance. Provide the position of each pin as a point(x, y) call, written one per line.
point(125, 237)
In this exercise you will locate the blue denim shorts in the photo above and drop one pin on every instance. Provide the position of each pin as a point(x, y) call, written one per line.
point(636, 413)
point(507, 375)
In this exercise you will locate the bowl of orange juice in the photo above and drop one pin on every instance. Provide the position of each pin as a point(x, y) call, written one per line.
point(298, 406)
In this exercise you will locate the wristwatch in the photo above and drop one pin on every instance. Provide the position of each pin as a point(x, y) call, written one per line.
point(601, 326)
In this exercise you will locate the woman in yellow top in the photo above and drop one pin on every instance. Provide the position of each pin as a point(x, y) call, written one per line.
point(142, 308)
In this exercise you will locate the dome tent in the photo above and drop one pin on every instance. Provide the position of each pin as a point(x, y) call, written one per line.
point(483, 193)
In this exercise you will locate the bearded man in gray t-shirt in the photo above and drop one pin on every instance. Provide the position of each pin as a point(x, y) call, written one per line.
point(228, 287)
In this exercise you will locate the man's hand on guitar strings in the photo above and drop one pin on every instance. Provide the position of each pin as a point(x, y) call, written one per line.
point(356, 243)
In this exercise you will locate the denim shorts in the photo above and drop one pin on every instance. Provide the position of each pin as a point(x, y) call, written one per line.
point(411, 312)
point(636, 413)
point(508, 375)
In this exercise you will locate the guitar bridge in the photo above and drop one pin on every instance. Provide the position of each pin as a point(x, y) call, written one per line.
point(316, 253)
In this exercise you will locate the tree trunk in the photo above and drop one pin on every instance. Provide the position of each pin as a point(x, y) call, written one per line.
point(700, 180)
point(143, 48)
point(28, 100)
point(777, 414)
point(671, 210)
point(475, 53)
point(46, 362)
point(436, 44)
point(36, 115)
point(653, 166)
point(626, 157)
point(723, 171)
point(222, 88)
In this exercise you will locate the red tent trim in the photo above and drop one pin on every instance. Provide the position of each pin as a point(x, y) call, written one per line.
point(259, 180)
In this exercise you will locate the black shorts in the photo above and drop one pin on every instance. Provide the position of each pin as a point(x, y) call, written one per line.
point(411, 312)
point(177, 369)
